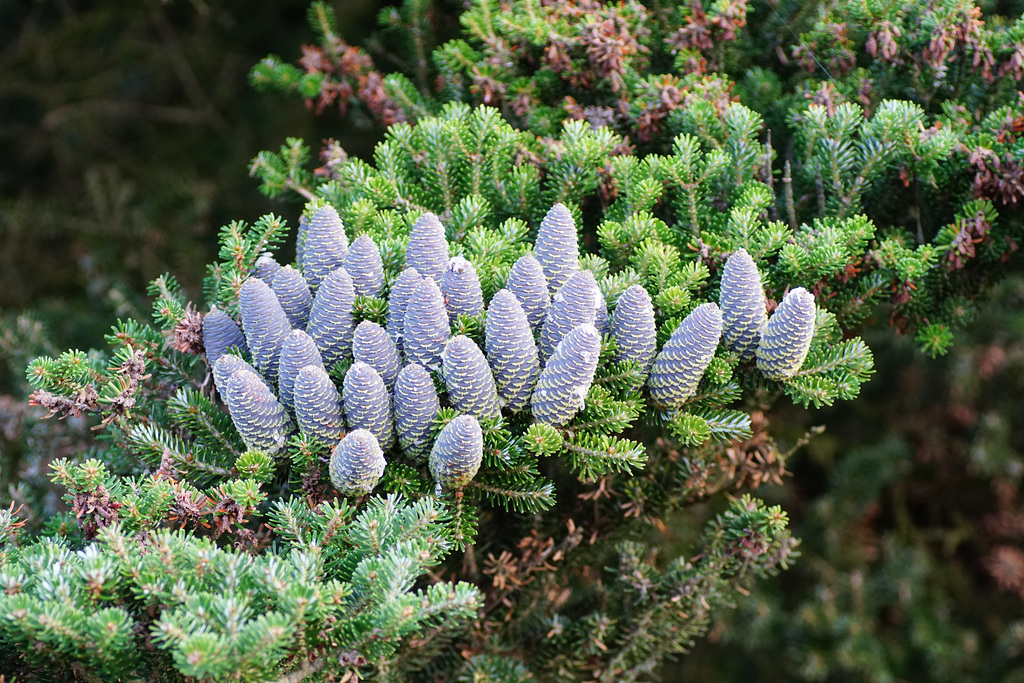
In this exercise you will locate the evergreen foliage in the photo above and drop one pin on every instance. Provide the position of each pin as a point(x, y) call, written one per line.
point(479, 506)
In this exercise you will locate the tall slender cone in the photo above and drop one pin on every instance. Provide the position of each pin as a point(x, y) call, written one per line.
point(468, 378)
point(527, 282)
point(416, 406)
point(362, 261)
point(786, 338)
point(557, 247)
point(572, 306)
point(632, 327)
point(298, 351)
point(292, 293)
point(460, 287)
point(266, 267)
point(372, 345)
point(220, 333)
point(300, 242)
point(511, 351)
point(259, 417)
point(226, 366)
point(457, 453)
point(681, 363)
point(401, 292)
point(425, 328)
point(357, 463)
point(742, 304)
point(564, 383)
point(318, 405)
point(330, 319)
point(427, 250)
point(367, 404)
point(324, 246)
point(265, 325)
point(601, 314)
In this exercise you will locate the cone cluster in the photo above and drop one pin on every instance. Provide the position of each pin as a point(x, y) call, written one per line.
point(541, 346)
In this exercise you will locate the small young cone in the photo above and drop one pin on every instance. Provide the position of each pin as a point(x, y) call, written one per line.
point(527, 282)
point(226, 366)
point(367, 404)
point(324, 246)
point(266, 267)
point(330, 319)
point(363, 263)
point(565, 381)
point(427, 250)
point(457, 453)
point(318, 405)
point(786, 338)
point(460, 287)
point(573, 305)
point(259, 417)
point(220, 333)
point(557, 247)
point(425, 328)
point(265, 325)
point(357, 463)
point(401, 292)
point(416, 406)
point(468, 378)
point(511, 351)
point(742, 304)
point(372, 345)
point(681, 363)
point(633, 328)
point(293, 294)
point(297, 351)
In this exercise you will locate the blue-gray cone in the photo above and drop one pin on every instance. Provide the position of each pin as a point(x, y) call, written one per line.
point(427, 250)
point(786, 338)
point(293, 294)
point(363, 263)
point(460, 287)
point(526, 280)
point(330, 319)
point(367, 403)
point(226, 366)
point(372, 345)
point(425, 329)
point(601, 314)
point(401, 292)
point(324, 246)
point(357, 463)
point(681, 363)
point(633, 328)
point(468, 378)
point(557, 247)
point(416, 406)
point(265, 325)
point(318, 405)
point(511, 351)
point(564, 383)
point(300, 242)
point(297, 351)
point(457, 453)
point(572, 306)
point(742, 304)
point(259, 417)
point(220, 333)
point(266, 267)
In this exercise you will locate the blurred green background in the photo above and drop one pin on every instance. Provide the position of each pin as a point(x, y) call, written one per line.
point(125, 134)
